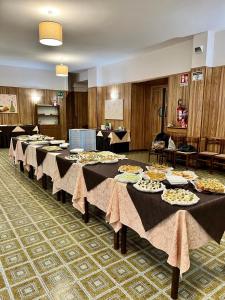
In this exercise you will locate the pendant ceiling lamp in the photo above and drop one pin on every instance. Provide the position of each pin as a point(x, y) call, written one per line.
point(50, 33)
point(61, 70)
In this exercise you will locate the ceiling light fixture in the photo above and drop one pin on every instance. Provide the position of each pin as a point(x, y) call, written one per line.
point(50, 33)
point(61, 70)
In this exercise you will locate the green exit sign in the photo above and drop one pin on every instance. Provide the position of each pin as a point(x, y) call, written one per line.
point(60, 94)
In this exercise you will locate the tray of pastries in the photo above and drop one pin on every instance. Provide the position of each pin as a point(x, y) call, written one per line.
point(154, 175)
point(128, 177)
point(160, 167)
point(209, 185)
point(51, 148)
point(149, 186)
point(130, 169)
point(189, 175)
point(179, 197)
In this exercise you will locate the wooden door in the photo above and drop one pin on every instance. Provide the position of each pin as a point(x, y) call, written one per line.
point(153, 113)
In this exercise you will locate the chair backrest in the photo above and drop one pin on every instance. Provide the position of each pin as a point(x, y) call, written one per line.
point(213, 144)
point(178, 139)
point(222, 148)
point(194, 141)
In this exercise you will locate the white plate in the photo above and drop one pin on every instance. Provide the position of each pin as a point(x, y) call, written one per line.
point(176, 180)
point(76, 150)
point(138, 172)
point(109, 161)
point(89, 162)
point(182, 203)
point(57, 142)
point(202, 191)
point(39, 142)
point(149, 191)
point(121, 179)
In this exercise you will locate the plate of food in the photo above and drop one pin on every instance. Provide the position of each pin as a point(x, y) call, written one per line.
point(130, 169)
point(179, 197)
point(128, 177)
point(23, 137)
point(149, 186)
point(109, 160)
point(189, 175)
point(57, 142)
point(154, 175)
point(160, 167)
point(51, 148)
point(84, 161)
point(71, 157)
point(209, 185)
point(39, 142)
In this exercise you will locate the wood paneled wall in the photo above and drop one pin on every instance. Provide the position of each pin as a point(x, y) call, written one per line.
point(176, 92)
point(96, 105)
point(77, 110)
point(26, 106)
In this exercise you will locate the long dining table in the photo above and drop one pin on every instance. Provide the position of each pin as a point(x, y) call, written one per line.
point(173, 229)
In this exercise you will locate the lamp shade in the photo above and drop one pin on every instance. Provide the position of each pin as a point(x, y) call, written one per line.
point(50, 33)
point(61, 70)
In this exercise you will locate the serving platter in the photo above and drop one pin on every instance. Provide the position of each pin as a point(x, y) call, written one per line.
point(208, 185)
point(179, 197)
point(149, 186)
point(128, 177)
point(130, 169)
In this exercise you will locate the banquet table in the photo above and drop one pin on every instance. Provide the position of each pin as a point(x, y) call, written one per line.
point(8, 131)
point(116, 141)
point(173, 229)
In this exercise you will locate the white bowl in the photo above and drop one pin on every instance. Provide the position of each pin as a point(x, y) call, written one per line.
point(64, 145)
point(77, 150)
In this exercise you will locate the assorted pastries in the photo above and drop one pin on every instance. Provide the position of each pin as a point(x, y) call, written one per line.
point(179, 197)
point(209, 185)
point(130, 169)
point(150, 186)
point(189, 175)
point(159, 167)
point(155, 175)
point(51, 148)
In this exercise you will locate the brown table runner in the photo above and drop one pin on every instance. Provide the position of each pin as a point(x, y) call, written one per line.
point(95, 174)
point(63, 163)
point(209, 212)
point(24, 146)
point(120, 134)
point(41, 154)
point(14, 142)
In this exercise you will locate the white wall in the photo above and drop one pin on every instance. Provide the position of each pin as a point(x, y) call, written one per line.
point(219, 49)
point(158, 63)
point(31, 78)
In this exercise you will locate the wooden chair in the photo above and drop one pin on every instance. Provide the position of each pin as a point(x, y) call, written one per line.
point(169, 154)
point(187, 156)
point(157, 153)
point(219, 159)
point(207, 156)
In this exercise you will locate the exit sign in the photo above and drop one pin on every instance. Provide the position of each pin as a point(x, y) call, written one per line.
point(60, 94)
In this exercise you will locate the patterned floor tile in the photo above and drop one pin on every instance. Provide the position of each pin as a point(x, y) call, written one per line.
point(93, 245)
point(53, 232)
point(106, 257)
point(141, 261)
point(19, 273)
point(58, 279)
point(7, 235)
point(39, 250)
point(219, 295)
point(28, 290)
point(65, 219)
point(73, 226)
point(46, 224)
point(4, 295)
point(62, 241)
point(115, 294)
point(16, 215)
point(139, 288)
point(47, 263)
point(216, 268)
point(21, 222)
point(2, 282)
point(203, 281)
point(160, 275)
point(99, 229)
point(187, 292)
point(83, 267)
point(25, 230)
point(40, 217)
point(212, 248)
point(72, 292)
point(32, 239)
point(57, 212)
point(121, 271)
point(9, 246)
point(72, 253)
point(82, 235)
point(13, 259)
point(97, 284)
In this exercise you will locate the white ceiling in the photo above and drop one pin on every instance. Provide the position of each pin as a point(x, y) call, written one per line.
point(100, 31)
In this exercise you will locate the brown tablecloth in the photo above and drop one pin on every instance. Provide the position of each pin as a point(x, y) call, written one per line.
point(63, 163)
point(95, 174)
point(209, 210)
point(14, 141)
point(24, 146)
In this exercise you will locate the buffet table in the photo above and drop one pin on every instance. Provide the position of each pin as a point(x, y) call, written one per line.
point(173, 229)
point(116, 141)
point(8, 131)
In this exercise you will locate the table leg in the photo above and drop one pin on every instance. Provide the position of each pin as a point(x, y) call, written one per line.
point(21, 166)
point(86, 209)
point(124, 239)
point(31, 172)
point(63, 193)
point(116, 240)
point(175, 283)
point(59, 196)
point(44, 182)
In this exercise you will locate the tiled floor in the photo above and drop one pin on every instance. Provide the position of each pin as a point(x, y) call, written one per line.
point(47, 252)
